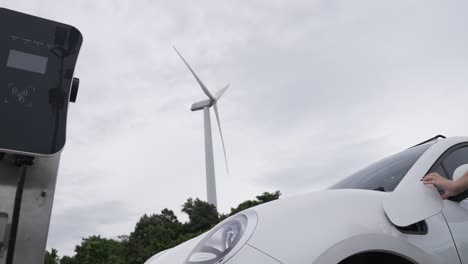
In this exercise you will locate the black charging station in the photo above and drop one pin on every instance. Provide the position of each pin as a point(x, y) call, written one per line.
point(37, 63)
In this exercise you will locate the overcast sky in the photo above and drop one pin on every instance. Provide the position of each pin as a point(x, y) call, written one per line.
point(319, 89)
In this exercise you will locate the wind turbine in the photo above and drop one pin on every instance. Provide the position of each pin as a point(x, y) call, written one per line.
point(205, 106)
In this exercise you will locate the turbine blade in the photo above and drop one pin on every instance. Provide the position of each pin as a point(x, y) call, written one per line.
point(205, 90)
point(221, 92)
point(221, 134)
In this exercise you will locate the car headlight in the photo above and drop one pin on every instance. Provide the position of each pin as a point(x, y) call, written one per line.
point(224, 240)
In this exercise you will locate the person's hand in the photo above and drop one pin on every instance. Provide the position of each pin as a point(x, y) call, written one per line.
point(450, 187)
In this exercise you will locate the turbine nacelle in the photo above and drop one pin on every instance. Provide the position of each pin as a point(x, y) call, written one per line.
point(209, 102)
point(202, 104)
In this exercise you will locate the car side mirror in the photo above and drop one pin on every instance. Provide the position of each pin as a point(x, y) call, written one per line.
point(457, 174)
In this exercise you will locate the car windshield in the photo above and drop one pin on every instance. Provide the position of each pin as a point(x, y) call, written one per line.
point(385, 174)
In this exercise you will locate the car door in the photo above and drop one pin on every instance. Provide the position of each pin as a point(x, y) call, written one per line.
point(456, 208)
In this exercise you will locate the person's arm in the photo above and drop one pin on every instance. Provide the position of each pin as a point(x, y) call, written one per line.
point(452, 188)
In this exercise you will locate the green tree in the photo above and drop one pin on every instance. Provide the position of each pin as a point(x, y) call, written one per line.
point(263, 198)
point(202, 215)
point(98, 250)
point(51, 257)
point(68, 260)
point(152, 234)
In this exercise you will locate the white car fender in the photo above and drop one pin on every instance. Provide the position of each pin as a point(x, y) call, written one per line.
point(328, 226)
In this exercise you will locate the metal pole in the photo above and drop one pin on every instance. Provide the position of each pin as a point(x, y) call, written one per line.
point(209, 159)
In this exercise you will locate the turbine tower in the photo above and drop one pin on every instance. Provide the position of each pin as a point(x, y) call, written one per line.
point(205, 106)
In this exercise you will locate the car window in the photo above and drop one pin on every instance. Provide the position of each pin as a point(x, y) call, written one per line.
point(454, 160)
point(440, 171)
point(386, 174)
point(447, 165)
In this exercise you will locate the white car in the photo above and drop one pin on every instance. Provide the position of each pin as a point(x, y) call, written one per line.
point(381, 214)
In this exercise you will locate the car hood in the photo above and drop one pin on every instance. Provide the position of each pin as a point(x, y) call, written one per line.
point(306, 226)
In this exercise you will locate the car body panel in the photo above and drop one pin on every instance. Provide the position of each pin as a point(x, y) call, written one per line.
point(322, 226)
point(456, 215)
point(327, 227)
point(412, 201)
point(249, 254)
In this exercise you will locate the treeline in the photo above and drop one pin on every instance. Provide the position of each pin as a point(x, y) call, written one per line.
point(152, 234)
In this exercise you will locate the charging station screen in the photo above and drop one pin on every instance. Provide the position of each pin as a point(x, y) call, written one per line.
point(37, 62)
point(26, 61)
